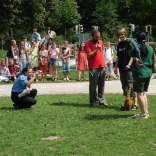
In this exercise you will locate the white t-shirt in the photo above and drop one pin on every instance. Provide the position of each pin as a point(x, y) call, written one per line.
point(108, 55)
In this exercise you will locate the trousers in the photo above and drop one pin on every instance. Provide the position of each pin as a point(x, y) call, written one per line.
point(26, 101)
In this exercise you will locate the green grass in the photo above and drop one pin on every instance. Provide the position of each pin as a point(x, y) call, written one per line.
point(3, 54)
point(81, 130)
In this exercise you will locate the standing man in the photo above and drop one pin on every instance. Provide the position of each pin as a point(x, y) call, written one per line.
point(96, 63)
point(123, 62)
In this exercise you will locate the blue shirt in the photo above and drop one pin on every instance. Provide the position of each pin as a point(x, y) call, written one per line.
point(27, 45)
point(20, 84)
point(36, 37)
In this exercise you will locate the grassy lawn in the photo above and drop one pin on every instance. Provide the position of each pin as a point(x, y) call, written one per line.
point(65, 125)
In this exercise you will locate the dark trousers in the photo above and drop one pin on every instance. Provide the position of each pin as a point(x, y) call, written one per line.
point(25, 101)
point(96, 83)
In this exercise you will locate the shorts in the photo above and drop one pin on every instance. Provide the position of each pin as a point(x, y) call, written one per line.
point(53, 62)
point(141, 84)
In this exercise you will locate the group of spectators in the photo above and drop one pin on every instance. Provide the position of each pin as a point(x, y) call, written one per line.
point(40, 54)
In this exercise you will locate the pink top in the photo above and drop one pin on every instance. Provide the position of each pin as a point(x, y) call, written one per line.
point(53, 53)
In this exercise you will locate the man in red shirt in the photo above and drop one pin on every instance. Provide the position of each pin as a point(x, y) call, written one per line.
point(96, 63)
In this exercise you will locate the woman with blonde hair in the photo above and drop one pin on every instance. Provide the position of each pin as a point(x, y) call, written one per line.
point(65, 55)
point(23, 57)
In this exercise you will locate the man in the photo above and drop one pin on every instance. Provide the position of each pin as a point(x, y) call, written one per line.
point(123, 62)
point(96, 63)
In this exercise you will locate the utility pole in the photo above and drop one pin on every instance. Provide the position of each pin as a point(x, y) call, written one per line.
point(148, 29)
point(131, 28)
point(95, 27)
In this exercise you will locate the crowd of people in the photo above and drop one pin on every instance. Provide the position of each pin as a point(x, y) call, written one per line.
point(29, 60)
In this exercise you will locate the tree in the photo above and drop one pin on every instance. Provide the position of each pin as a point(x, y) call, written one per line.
point(106, 17)
point(8, 14)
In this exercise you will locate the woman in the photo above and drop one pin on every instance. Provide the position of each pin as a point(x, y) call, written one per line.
point(65, 55)
point(142, 72)
point(23, 57)
point(20, 85)
point(13, 51)
point(82, 62)
point(48, 34)
point(43, 53)
point(53, 54)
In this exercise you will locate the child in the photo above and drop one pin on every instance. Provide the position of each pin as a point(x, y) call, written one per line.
point(4, 73)
point(13, 68)
point(53, 54)
point(43, 53)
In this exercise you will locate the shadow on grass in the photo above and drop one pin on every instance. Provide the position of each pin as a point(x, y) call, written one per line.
point(84, 105)
point(107, 117)
point(7, 108)
point(70, 104)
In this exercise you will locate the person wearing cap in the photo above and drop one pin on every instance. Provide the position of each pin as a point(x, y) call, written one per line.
point(4, 73)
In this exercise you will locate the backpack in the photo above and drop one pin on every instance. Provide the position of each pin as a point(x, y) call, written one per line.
point(9, 54)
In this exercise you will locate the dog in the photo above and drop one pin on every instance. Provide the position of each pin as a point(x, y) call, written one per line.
point(128, 101)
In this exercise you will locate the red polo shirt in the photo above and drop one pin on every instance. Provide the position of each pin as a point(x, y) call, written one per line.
point(96, 61)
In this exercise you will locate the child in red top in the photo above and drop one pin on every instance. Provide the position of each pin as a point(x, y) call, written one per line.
point(82, 62)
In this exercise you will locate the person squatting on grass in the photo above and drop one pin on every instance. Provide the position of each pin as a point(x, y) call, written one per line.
point(21, 84)
point(123, 62)
point(96, 64)
point(142, 72)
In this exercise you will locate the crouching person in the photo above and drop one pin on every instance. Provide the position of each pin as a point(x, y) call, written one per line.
point(23, 94)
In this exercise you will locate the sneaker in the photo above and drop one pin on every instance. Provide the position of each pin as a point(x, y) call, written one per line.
point(147, 114)
point(55, 79)
point(64, 79)
point(143, 116)
point(67, 79)
point(134, 107)
point(104, 104)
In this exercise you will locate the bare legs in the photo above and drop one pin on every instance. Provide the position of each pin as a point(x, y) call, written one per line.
point(142, 99)
point(81, 75)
